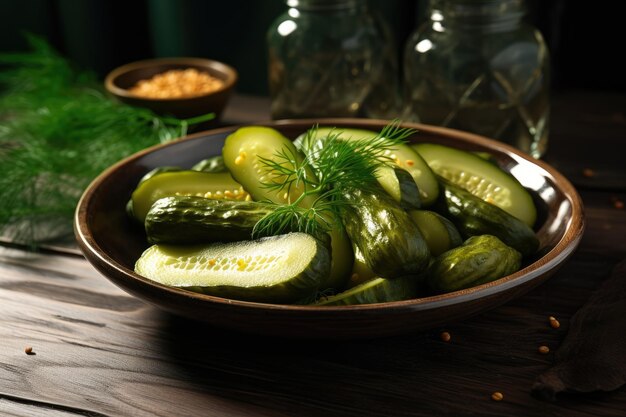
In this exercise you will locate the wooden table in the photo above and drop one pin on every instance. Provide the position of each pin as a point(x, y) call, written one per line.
point(97, 351)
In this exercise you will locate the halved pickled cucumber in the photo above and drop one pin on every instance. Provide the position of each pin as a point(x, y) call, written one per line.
point(439, 233)
point(159, 170)
point(276, 269)
point(404, 157)
point(243, 152)
point(410, 197)
point(212, 164)
point(377, 290)
point(187, 182)
point(480, 177)
point(474, 217)
point(361, 272)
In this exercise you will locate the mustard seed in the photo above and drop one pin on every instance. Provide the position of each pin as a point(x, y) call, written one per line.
point(554, 323)
point(28, 350)
point(497, 396)
point(588, 172)
point(177, 83)
point(544, 350)
point(445, 336)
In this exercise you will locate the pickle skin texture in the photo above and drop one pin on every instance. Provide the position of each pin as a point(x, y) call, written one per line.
point(479, 260)
point(474, 217)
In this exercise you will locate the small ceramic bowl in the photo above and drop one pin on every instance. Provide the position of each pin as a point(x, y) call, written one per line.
point(112, 243)
point(121, 80)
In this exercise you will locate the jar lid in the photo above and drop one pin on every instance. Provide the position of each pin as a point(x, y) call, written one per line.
point(483, 15)
point(474, 9)
point(323, 4)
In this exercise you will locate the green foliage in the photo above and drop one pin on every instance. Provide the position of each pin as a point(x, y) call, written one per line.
point(58, 131)
point(330, 166)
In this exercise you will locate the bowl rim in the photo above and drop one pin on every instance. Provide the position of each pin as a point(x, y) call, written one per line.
point(229, 82)
point(562, 250)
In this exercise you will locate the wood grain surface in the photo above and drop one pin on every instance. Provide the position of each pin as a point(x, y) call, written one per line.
point(97, 351)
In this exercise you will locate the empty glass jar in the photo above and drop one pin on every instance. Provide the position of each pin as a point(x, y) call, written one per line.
point(477, 66)
point(331, 58)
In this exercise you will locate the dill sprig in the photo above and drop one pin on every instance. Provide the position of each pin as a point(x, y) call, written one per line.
point(58, 131)
point(285, 171)
point(331, 164)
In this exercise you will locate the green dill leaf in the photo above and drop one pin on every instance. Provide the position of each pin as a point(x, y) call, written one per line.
point(319, 295)
point(59, 130)
point(280, 171)
point(337, 165)
point(396, 134)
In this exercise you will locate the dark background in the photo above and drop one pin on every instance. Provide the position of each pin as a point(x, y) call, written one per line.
point(586, 39)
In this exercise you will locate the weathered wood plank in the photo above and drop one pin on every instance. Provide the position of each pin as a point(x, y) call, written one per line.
point(588, 132)
point(11, 406)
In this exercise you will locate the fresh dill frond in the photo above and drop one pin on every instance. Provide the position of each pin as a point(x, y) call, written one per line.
point(319, 295)
point(394, 133)
point(331, 165)
point(289, 218)
point(284, 171)
point(374, 152)
point(345, 164)
point(58, 131)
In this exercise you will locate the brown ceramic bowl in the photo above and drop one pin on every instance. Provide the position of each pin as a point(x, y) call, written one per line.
point(112, 243)
point(119, 82)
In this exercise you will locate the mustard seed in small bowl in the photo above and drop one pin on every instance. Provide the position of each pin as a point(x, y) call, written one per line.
point(177, 83)
point(179, 87)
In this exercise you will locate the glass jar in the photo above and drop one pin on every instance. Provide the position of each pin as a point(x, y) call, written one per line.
point(331, 58)
point(477, 66)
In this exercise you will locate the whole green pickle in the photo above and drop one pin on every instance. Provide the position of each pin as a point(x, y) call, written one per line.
point(475, 217)
point(478, 260)
point(191, 220)
point(391, 244)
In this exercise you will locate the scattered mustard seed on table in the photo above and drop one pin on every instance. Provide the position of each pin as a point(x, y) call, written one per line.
point(588, 172)
point(28, 350)
point(616, 202)
point(554, 323)
point(445, 336)
point(497, 396)
point(544, 350)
